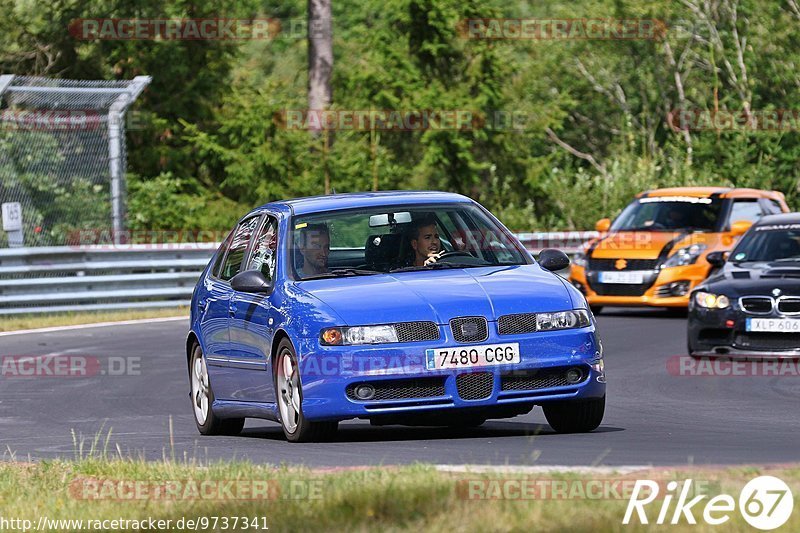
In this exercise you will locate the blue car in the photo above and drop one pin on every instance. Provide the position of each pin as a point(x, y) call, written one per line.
point(415, 308)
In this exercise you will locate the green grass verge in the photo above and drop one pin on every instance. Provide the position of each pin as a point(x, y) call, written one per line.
point(34, 321)
point(413, 498)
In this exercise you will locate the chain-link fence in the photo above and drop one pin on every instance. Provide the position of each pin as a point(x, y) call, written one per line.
point(62, 154)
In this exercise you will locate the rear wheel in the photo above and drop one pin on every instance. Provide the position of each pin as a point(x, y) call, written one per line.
point(289, 391)
point(203, 397)
point(576, 416)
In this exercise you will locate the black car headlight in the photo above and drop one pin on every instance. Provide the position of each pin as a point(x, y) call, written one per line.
point(708, 300)
point(577, 318)
point(688, 255)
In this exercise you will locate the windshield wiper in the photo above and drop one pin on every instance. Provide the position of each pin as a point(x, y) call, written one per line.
point(342, 272)
point(787, 259)
point(447, 264)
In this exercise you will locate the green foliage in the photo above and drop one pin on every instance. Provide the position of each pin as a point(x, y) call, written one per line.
point(593, 126)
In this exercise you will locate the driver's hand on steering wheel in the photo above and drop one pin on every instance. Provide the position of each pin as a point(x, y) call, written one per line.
point(433, 257)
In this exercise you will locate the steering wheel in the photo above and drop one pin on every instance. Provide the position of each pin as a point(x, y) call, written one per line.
point(455, 253)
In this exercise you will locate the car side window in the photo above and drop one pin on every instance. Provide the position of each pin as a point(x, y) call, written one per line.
point(774, 207)
point(749, 210)
point(223, 249)
point(238, 249)
point(265, 249)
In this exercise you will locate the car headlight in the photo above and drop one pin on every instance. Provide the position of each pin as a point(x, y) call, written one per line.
point(711, 301)
point(579, 259)
point(358, 335)
point(577, 318)
point(687, 255)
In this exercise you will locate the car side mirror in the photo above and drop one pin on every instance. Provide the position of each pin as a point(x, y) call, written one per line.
point(603, 225)
point(740, 227)
point(251, 281)
point(716, 259)
point(553, 260)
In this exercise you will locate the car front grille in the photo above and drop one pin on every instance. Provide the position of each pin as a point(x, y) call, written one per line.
point(469, 329)
point(757, 305)
point(768, 341)
point(515, 324)
point(475, 385)
point(401, 389)
point(619, 289)
point(789, 305)
point(416, 331)
point(632, 264)
point(538, 379)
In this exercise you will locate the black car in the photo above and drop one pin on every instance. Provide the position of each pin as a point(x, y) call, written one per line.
point(750, 307)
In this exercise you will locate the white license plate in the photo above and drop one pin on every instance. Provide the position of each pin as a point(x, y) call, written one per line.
point(471, 356)
point(779, 325)
point(622, 277)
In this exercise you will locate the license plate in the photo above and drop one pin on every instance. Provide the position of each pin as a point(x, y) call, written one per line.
point(622, 277)
point(472, 356)
point(778, 325)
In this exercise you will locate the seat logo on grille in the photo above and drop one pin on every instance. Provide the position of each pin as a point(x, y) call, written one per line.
point(469, 329)
point(620, 264)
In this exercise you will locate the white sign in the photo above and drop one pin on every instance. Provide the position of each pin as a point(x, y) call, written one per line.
point(12, 216)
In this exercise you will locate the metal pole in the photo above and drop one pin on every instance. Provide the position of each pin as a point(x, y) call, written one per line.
point(5, 81)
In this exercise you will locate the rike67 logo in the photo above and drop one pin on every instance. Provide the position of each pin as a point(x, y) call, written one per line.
point(765, 503)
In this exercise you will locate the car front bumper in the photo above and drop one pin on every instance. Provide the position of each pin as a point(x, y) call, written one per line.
point(655, 292)
point(329, 376)
point(723, 333)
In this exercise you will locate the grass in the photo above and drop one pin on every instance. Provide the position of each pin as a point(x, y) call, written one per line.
point(33, 321)
point(411, 498)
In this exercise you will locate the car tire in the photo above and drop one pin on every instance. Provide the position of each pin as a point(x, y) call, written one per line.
point(202, 398)
point(289, 394)
point(596, 309)
point(576, 416)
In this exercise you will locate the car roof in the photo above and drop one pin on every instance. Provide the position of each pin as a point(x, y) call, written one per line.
point(705, 192)
point(783, 218)
point(315, 204)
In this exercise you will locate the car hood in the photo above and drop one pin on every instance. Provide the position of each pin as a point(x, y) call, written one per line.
point(439, 295)
point(652, 244)
point(755, 278)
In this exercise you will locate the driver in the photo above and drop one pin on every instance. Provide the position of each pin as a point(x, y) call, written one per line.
point(425, 242)
point(314, 246)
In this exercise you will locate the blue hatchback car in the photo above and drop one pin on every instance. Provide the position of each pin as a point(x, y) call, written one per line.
point(416, 308)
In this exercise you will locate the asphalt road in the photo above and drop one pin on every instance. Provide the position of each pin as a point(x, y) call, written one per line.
point(652, 417)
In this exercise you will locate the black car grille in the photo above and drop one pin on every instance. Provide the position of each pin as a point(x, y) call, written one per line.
point(475, 386)
point(469, 329)
point(515, 324)
point(768, 341)
point(759, 305)
point(789, 306)
point(401, 389)
point(632, 264)
point(620, 289)
point(416, 331)
point(538, 379)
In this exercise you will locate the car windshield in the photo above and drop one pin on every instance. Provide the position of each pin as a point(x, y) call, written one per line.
point(398, 238)
point(670, 213)
point(779, 242)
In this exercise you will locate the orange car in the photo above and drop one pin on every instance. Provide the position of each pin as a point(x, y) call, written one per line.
point(656, 251)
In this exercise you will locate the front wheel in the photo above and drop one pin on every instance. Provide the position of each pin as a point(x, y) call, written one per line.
point(203, 397)
point(289, 391)
point(576, 416)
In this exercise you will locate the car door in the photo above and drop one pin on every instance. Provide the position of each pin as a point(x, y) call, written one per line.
point(249, 323)
point(223, 381)
point(212, 310)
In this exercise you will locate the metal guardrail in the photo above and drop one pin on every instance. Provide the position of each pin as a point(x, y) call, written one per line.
point(100, 277)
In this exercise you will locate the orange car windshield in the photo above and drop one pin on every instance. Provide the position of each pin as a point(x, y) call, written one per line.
point(667, 213)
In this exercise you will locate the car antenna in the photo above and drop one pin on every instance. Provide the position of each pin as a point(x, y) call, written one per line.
point(333, 190)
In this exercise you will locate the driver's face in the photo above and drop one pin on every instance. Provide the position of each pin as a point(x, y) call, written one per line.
point(427, 241)
point(315, 249)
